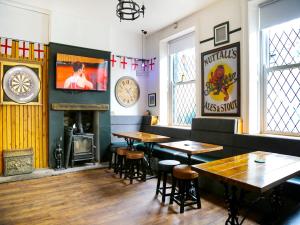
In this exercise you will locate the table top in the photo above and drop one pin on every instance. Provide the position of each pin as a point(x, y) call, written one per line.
point(141, 136)
point(257, 171)
point(191, 147)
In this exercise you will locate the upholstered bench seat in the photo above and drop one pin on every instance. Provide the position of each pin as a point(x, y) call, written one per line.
point(295, 180)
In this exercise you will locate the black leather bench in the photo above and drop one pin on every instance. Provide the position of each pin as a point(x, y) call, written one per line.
point(209, 130)
point(213, 131)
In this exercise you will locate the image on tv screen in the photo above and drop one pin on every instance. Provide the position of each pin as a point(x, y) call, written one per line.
point(81, 73)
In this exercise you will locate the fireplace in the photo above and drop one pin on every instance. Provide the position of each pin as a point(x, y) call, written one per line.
point(64, 125)
point(79, 143)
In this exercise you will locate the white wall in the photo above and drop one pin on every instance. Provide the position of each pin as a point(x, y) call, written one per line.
point(202, 22)
point(23, 23)
point(60, 22)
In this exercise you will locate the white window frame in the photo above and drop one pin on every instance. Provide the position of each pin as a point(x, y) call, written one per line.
point(172, 86)
point(264, 73)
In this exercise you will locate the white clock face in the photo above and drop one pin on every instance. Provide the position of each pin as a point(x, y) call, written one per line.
point(127, 91)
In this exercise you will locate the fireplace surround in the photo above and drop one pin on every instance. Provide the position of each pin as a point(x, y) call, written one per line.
point(63, 100)
point(78, 144)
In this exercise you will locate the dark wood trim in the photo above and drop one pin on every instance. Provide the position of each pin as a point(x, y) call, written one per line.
point(206, 40)
point(212, 38)
point(73, 106)
point(235, 30)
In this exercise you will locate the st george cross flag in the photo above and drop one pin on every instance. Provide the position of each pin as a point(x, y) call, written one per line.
point(24, 49)
point(38, 51)
point(6, 46)
point(134, 64)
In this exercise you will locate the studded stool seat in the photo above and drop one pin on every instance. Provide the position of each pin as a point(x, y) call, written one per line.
point(135, 155)
point(188, 192)
point(184, 172)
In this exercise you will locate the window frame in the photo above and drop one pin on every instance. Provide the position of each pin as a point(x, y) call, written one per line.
point(172, 86)
point(264, 61)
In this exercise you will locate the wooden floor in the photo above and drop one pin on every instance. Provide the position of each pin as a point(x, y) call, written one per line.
point(97, 197)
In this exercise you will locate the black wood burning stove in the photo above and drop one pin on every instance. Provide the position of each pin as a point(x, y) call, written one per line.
point(82, 148)
point(79, 145)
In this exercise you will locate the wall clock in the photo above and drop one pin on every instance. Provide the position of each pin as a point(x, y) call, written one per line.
point(127, 91)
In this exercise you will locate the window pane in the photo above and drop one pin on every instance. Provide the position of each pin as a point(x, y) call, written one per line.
point(184, 65)
point(283, 101)
point(184, 103)
point(284, 44)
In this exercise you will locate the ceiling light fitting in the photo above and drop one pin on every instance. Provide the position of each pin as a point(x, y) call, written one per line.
point(129, 10)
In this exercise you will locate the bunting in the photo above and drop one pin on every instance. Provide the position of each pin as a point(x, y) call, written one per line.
point(38, 51)
point(24, 49)
point(6, 46)
point(123, 62)
point(134, 63)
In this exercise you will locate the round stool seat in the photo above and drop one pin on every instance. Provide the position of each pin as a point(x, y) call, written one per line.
point(122, 151)
point(184, 172)
point(135, 155)
point(167, 165)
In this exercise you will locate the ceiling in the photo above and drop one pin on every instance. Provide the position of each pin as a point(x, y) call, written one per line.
point(158, 13)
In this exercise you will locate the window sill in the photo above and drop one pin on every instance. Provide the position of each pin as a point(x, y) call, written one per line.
point(176, 127)
point(274, 136)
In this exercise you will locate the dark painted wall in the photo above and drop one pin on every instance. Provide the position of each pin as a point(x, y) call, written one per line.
point(56, 118)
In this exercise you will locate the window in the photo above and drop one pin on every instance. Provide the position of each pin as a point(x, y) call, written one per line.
point(182, 80)
point(281, 78)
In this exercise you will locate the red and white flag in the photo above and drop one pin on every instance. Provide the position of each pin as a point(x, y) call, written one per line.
point(24, 49)
point(113, 60)
point(123, 62)
point(6, 46)
point(152, 63)
point(134, 64)
point(38, 51)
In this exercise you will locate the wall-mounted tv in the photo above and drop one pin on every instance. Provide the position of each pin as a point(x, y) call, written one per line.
point(81, 73)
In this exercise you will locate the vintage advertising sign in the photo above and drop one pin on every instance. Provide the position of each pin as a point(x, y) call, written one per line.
point(221, 81)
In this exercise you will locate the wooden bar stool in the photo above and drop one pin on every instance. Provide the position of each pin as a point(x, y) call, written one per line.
point(165, 167)
point(120, 167)
point(135, 166)
point(187, 181)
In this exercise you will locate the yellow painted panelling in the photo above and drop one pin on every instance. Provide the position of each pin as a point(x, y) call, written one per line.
point(26, 126)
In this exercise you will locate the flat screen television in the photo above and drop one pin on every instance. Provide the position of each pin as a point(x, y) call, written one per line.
point(81, 73)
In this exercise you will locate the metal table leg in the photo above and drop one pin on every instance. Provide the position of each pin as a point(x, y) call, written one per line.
point(130, 143)
point(149, 147)
point(233, 205)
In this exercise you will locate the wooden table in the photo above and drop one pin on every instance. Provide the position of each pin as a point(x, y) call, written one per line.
point(141, 136)
point(258, 171)
point(191, 147)
point(148, 138)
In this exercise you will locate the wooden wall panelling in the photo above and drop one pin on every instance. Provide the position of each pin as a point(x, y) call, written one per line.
point(25, 126)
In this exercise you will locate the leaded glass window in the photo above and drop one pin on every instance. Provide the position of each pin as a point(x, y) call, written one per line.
point(183, 86)
point(282, 79)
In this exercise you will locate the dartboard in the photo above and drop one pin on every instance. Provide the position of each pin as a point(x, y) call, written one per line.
point(21, 84)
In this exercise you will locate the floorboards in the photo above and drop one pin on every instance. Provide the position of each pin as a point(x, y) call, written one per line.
point(98, 197)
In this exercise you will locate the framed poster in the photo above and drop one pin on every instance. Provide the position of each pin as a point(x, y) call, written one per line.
point(20, 83)
point(220, 81)
point(221, 34)
point(152, 100)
